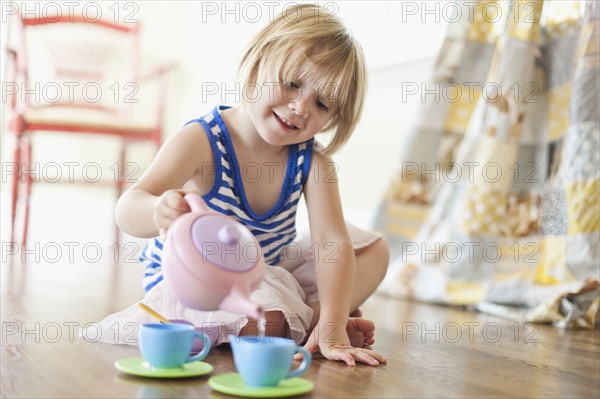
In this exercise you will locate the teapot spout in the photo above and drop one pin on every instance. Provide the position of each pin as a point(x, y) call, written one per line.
point(238, 301)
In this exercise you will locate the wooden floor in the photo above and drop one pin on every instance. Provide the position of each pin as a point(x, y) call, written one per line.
point(432, 351)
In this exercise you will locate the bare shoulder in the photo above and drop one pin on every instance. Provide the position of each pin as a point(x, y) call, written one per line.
point(184, 155)
point(192, 137)
point(322, 197)
point(323, 169)
point(188, 148)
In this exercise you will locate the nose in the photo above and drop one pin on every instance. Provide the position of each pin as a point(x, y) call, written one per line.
point(299, 106)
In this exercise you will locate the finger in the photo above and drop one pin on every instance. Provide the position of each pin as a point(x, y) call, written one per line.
point(164, 219)
point(176, 201)
point(363, 357)
point(167, 215)
point(374, 355)
point(348, 358)
point(343, 355)
point(311, 347)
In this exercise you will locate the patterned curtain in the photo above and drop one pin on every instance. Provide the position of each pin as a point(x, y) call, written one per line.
point(496, 203)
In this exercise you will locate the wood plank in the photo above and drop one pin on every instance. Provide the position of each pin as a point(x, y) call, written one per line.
point(432, 351)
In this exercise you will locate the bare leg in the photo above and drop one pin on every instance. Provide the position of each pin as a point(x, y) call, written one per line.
point(371, 265)
point(275, 326)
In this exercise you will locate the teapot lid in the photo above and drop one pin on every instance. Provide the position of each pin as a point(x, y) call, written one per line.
point(225, 243)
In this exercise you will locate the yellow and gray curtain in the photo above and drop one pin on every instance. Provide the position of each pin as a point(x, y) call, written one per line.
point(495, 204)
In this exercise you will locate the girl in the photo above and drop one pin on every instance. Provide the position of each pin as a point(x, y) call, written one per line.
point(302, 74)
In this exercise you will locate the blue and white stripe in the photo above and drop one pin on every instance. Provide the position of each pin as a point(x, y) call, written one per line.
point(274, 229)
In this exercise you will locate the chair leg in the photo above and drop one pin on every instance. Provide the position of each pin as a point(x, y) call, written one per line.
point(120, 184)
point(15, 186)
point(28, 182)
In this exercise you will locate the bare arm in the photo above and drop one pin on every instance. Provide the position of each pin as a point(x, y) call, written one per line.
point(335, 265)
point(152, 203)
point(335, 261)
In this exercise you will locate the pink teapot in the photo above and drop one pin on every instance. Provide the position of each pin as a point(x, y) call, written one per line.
point(211, 261)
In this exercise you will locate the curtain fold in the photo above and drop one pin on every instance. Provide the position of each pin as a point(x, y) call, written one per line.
point(496, 202)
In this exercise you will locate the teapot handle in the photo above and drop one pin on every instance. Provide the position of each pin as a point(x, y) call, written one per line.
point(196, 203)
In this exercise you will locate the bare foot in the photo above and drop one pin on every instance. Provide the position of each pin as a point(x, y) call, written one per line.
point(361, 332)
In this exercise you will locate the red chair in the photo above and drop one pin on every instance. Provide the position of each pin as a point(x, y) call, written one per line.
point(72, 74)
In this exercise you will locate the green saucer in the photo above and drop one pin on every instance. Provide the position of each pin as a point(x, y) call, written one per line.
point(232, 384)
point(138, 366)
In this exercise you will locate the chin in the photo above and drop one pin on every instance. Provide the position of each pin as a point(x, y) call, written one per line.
point(272, 139)
point(277, 141)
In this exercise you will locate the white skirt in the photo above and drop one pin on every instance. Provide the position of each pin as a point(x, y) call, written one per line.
point(288, 288)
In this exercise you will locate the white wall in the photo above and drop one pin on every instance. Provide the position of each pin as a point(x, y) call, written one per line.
point(371, 156)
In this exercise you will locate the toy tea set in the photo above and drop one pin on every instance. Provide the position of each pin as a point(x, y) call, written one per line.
point(200, 274)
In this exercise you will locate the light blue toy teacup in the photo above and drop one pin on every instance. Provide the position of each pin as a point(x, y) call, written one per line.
point(265, 361)
point(169, 345)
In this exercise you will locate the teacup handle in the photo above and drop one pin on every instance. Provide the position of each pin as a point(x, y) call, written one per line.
point(204, 350)
point(306, 358)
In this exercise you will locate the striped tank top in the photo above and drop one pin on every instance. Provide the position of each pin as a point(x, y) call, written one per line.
point(274, 229)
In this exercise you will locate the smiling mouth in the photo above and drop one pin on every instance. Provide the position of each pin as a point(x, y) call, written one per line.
point(285, 124)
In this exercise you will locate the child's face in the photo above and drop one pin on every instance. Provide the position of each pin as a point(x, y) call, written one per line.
point(290, 114)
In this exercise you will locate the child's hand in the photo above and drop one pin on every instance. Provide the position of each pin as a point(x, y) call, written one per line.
point(170, 206)
point(334, 344)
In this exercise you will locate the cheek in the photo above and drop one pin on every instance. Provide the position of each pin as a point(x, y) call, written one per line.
point(258, 96)
point(251, 93)
point(323, 121)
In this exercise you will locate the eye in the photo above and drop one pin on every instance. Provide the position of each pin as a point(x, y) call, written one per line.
point(292, 85)
point(322, 106)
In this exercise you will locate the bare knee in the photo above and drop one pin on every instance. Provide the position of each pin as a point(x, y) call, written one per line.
point(375, 258)
point(381, 259)
point(371, 266)
point(275, 325)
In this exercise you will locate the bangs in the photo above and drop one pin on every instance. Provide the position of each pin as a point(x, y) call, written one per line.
point(327, 75)
point(330, 68)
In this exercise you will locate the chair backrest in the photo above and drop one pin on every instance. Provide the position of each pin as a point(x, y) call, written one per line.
point(73, 61)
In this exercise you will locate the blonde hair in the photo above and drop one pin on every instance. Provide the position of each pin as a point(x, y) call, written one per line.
point(308, 33)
